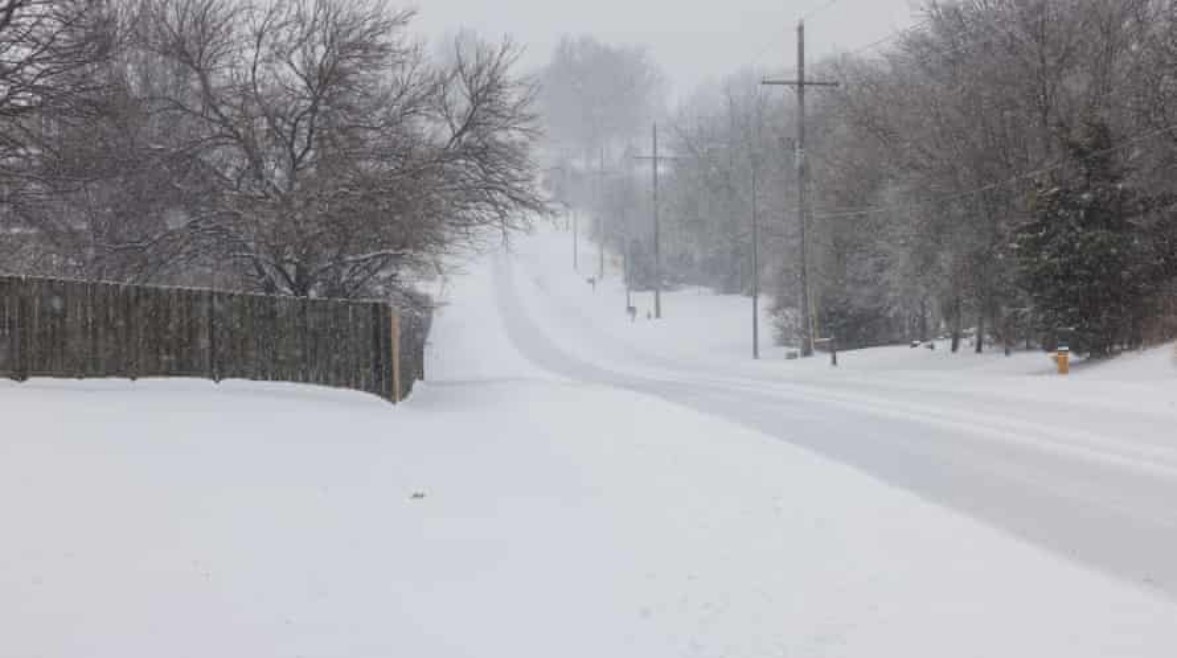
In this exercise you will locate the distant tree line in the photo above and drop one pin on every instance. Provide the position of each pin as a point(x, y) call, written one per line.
point(302, 147)
point(597, 102)
point(1003, 169)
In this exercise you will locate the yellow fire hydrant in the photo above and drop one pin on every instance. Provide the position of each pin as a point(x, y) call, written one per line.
point(1063, 359)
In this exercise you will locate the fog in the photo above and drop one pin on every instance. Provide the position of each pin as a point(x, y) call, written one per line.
point(693, 42)
point(975, 165)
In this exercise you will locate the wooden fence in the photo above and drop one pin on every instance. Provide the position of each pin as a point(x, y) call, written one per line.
point(63, 328)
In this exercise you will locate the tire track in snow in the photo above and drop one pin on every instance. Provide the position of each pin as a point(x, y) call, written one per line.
point(1110, 511)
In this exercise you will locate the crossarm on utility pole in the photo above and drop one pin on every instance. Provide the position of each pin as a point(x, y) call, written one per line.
point(655, 159)
point(800, 84)
point(797, 83)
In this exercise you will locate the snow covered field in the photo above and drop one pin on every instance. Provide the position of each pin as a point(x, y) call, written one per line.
point(571, 484)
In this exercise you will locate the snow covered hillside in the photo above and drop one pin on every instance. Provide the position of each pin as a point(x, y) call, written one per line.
point(701, 326)
point(570, 484)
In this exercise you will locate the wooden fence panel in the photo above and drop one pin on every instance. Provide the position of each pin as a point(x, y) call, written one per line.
point(414, 330)
point(61, 328)
point(36, 330)
point(8, 335)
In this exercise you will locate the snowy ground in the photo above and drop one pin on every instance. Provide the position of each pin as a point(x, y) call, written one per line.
point(702, 327)
point(570, 485)
point(1084, 465)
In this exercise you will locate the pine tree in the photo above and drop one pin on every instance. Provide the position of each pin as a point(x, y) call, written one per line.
point(1079, 255)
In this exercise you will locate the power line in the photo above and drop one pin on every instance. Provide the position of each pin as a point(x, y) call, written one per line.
point(871, 210)
point(918, 25)
point(890, 37)
point(772, 40)
point(768, 43)
point(818, 9)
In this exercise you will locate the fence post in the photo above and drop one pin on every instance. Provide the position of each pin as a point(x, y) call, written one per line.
point(422, 336)
point(213, 372)
point(304, 322)
point(395, 334)
point(28, 336)
point(378, 386)
point(19, 338)
point(132, 318)
point(91, 334)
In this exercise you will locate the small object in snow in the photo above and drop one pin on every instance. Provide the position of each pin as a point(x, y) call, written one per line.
point(931, 346)
point(417, 495)
point(915, 344)
point(1062, 359)
point(792, 355)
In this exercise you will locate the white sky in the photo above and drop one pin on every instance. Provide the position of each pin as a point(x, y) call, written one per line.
point(692, 40)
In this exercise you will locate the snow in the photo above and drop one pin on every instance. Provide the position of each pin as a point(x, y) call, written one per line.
point(1157, 365)
point(513, 509)
point(1082, 465)
point(701, 326)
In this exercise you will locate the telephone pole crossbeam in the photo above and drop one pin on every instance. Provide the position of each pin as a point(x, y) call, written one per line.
point(801, 84)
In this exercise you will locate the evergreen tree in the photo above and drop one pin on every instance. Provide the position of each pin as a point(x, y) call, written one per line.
point(1079, 255)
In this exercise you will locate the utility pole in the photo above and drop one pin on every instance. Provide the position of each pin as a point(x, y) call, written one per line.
point(600, 215)
point(628, 276)
point(753, 135)
point(755, 273)
point(657, 239)
point(800, 84)
point(626, 251)
point(655, 160)
point(755, 243)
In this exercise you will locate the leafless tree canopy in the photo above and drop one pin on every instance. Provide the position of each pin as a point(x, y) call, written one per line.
point(927, 164)
point(595, 94)
point(307, 147)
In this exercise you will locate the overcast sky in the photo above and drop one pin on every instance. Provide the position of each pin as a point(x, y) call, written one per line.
point(694, 41)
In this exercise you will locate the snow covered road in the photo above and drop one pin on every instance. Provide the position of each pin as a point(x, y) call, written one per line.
point(1090, 473)
point(552, 491)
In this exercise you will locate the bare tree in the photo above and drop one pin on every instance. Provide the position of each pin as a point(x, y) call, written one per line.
point(925, 160)
point(337, 156)
point(595, 94)
point(51, 53)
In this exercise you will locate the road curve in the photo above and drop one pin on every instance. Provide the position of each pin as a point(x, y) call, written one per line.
point(1112, 509)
